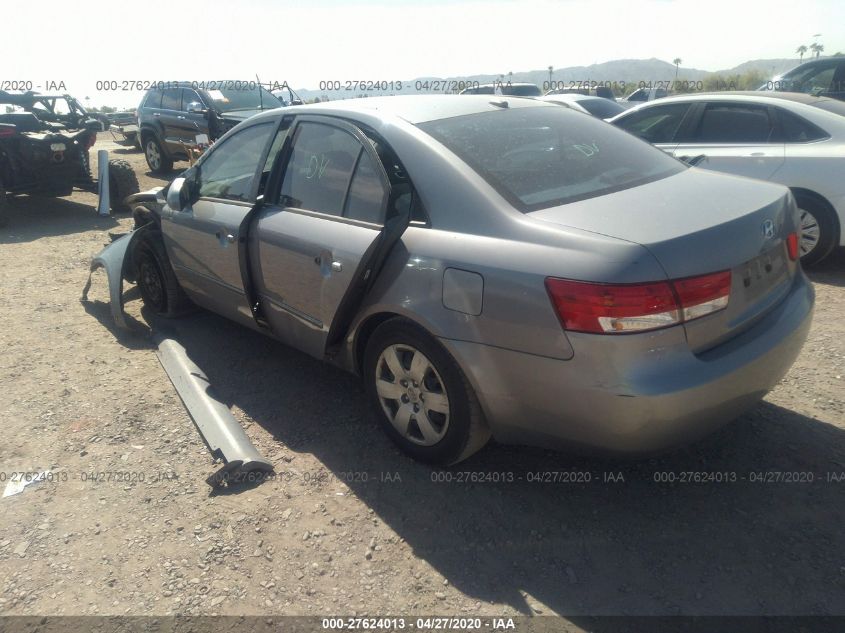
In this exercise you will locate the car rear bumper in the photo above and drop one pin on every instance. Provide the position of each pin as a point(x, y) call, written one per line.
point(634, 394)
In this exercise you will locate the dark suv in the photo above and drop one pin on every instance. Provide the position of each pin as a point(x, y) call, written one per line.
point(823, 77)
point(172, 115)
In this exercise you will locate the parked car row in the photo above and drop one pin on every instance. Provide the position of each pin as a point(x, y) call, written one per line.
point(490, 267)
point(793, 139)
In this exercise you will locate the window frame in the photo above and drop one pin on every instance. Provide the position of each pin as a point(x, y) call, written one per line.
point(688, 115)
point(178, 107)
point(274, 125)
point(274, 185)
point(695, 123)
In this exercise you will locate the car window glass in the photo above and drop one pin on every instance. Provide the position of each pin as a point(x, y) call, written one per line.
point(797, 129)
point(153, 99)
point(189, 96)
point(657, 124)
point(815, 82)
point(229, 170)
point(734, 123)
point(542, 157)
point(171, 99)
point(602, 108)
point(320, 168)
point(366, 193)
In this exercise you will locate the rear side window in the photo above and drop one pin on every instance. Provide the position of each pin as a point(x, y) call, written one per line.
point(320, 169)
point(543, 157)
point(171, 99)
point(796, 129)
point(734, 123)
point(657, 124)
point(153, 99)
point(366, 192)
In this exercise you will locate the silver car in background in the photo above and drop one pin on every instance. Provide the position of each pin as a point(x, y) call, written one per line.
point(597, 106)
point(796, 140)
point(491, 266)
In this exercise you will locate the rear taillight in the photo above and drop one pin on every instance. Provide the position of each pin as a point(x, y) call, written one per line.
point(608, 308)
point(792, 246)
point(5, 132)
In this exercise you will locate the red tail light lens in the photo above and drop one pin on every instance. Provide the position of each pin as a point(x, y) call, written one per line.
point(7, 131)
point(702, 295)
point(608, 308)
point(792, 246)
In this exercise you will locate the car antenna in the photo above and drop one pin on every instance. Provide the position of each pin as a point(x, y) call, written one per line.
point(260, 96)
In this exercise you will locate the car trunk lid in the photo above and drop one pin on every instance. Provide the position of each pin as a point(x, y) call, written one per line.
point(696, 223)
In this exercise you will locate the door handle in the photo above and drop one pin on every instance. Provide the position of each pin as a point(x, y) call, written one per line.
point(180, 116)
point(156, 113)
point(337, 267)
point(224, 238)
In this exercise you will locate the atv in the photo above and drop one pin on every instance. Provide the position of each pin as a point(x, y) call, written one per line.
point(44, 145)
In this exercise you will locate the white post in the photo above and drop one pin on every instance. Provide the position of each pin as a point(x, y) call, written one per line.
point(104, 205)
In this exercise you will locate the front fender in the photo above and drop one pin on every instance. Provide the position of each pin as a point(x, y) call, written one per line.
point(114, 259)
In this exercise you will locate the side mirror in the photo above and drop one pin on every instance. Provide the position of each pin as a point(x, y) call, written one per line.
point(176, 194)
point(295, 102)
point(195, 107)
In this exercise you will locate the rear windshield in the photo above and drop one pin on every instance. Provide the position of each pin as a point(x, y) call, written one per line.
point(601, 107)
point(546, 156)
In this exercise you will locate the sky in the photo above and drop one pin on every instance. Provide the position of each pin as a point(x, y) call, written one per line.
point(304, 42)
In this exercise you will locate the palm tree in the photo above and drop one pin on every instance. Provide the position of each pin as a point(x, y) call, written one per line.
point(817, 48)
point(677, 61)
point(801, 50)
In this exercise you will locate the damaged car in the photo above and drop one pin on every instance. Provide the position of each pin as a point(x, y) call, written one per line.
point(44, 150)
point(504, 268)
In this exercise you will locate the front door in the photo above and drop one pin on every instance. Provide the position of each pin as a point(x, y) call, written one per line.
point(204, 239)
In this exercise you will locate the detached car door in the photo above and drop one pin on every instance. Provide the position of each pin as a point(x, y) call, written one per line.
point(203, 240)
point(319, 238)
point(734, 138)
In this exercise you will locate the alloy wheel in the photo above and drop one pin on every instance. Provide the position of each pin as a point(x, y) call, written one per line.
point(153, 155)
point(412, 394)
point(810, 232)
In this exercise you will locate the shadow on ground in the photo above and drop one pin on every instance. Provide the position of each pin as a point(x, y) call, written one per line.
point(619, 542)
point(831, 271)
point(31, 218)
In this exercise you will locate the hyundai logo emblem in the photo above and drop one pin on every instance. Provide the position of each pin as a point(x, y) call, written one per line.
point(768, 229)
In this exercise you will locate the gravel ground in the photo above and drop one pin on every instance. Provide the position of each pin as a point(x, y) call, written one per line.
point(127, 525)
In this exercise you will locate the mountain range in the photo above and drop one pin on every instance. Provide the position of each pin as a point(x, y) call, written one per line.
point(618, 70)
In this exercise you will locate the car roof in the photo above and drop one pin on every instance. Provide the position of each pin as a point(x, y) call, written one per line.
point(744, 95)
point(569, 96)
point(413, 108)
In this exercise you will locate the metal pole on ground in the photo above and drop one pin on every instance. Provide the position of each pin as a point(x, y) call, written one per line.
point(104, 204)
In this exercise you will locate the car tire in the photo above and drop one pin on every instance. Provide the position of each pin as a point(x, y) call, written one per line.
point(156, 280)
point(818, 232)
point(122, 183)
point(450, 426)
point(157, 160)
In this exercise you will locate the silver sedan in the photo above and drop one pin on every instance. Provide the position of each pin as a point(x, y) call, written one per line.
point(794, 139)
point(497, 267)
